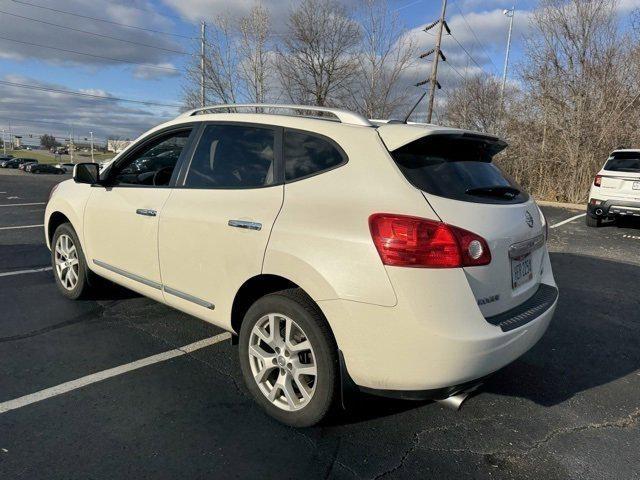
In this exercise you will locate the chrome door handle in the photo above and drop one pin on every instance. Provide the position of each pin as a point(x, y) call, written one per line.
point(146, 212)
point(243, 224)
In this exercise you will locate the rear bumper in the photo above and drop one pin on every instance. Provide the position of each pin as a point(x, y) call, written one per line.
point(428, 346)
point(613, 207)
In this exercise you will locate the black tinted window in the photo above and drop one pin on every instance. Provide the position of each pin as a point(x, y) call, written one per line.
point(308, 154)
point(233, 156)
point(459, 168)
point(624, 162)
point(154, 164)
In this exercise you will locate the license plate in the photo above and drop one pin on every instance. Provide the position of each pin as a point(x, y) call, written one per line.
point(521, 271)
point(636, 185)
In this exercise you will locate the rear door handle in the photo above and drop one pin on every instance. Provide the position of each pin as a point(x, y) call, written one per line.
point(146, 212)
point(244, 224)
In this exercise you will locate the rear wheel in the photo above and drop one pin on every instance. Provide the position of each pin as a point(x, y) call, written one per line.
point(69, 264)
point(593, 222)
point(289, 358)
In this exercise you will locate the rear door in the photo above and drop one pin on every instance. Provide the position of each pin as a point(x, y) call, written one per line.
point(215, 227)
point(466, 189)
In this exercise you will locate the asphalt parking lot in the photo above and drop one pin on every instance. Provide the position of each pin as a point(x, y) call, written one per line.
point(570, 408)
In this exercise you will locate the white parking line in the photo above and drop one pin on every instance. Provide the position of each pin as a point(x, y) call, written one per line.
point(559, 224)
point(22, 272)
point(21, 226)
point(112, 372)
point(22, 204)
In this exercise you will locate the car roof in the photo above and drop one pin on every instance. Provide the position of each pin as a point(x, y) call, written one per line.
point(394, 133)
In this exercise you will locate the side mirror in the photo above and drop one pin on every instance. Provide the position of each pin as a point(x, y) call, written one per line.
point(86, 173)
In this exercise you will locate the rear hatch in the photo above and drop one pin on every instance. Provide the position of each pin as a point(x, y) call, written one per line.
point(455, 171)
point(621, 175)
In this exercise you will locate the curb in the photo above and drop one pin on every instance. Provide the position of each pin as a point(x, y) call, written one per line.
point(572, 206)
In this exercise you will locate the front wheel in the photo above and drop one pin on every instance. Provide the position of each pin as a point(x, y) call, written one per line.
point(69, 264)
point(289, 358)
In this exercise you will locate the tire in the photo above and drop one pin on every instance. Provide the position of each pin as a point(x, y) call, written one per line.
point(69, 250)
point(593, 222)
point(293, 307)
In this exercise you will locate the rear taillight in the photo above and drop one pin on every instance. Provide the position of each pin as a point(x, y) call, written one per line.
point(405, 241)
point(598, 180)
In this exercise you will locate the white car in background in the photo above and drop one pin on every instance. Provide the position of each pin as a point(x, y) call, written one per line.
point(338, 250)
point(615, 191)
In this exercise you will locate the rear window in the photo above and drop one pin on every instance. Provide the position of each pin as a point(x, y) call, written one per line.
point(624, 162)
point(458, 167)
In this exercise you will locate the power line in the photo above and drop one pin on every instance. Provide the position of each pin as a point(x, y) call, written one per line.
point(476, 36)
point(22, 2)
point(143, 9)
point(158, 67)
point(463, 77)
point(95, 34)
point(88, 95)
point(469, 55)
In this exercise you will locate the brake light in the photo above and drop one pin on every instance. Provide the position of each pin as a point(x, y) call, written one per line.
point(405, 241)
point(598, 180)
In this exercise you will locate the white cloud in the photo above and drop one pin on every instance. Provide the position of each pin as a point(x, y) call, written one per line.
point(22, 29)
point(38, 112)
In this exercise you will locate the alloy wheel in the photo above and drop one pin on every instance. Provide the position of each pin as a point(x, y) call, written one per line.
point(66, 261)
point(282, 362)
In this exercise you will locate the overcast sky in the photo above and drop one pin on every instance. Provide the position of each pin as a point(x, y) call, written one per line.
point(100, 54)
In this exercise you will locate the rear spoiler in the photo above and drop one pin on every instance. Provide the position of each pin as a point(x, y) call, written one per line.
point(396, 135)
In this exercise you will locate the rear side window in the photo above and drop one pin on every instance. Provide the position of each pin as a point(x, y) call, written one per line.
point(624, 162)
point(233, 156)
point(306, 155)
point(458, 167)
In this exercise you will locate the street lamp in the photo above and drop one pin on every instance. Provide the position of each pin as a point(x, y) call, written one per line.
point(509, 13)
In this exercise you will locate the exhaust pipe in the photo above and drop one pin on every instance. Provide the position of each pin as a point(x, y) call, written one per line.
point(454, 402)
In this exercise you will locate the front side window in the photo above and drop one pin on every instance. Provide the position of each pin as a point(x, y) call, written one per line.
point(154, 164)
point(306, 155)
point(233, 156)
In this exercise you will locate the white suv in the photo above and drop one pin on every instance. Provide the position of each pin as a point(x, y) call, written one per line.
point(616, 188)
point(340, 251)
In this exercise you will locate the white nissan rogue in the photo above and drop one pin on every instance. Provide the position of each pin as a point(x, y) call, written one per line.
point(394, 258)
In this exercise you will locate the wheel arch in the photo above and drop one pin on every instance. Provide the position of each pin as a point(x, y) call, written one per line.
point(56, 219)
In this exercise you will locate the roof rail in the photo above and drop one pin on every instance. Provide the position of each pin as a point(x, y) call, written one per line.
point(344, 116)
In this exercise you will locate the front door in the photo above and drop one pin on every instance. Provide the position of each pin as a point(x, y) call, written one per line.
point(215, 226)
point(121, 219)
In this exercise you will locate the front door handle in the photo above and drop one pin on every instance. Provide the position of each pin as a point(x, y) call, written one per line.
point(146, 212)
point(244, 224)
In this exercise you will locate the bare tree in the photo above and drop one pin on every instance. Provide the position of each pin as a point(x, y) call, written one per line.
point(579, 93)
point(255, 67)
point(385, 54)
point(237, 64)
point(475, 104)
point(317, 61)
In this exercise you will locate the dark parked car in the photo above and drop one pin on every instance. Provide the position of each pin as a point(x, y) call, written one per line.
point(26, 163)
point(16, 162)
point(44, 168)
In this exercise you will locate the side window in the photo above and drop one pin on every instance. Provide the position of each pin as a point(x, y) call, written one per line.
point(233, 156)
point(154, 164)
point(306, 154)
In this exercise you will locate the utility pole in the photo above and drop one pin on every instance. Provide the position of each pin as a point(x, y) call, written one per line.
point(510, 14)
point(4, 142)
point(203, 29)
point(92, 160)
point(433, 80)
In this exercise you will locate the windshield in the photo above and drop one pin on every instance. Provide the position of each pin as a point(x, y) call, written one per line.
point(458, 167)
point(624, 162)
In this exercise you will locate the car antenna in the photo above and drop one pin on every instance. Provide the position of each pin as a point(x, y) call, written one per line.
point(406, 119)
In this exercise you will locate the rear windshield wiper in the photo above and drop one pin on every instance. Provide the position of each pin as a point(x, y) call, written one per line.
point(494, 191)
